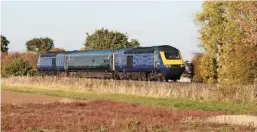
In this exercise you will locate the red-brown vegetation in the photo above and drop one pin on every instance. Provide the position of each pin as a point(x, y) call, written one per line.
point(7, 58)
point(103, 115)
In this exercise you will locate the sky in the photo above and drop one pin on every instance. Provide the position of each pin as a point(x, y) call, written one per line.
point(67, 22)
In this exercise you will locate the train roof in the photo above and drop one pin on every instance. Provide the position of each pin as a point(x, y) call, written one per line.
point(50, 54)
point(151, 49)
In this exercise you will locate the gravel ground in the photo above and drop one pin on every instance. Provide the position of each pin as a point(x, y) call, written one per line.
point(235, 119)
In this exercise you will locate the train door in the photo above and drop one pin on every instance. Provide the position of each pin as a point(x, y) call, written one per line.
point(120, 60)
point(117, 61)
point(156, 60)
point(53, 63)
point(112, 62)
point(129, 62)
point(65, 58)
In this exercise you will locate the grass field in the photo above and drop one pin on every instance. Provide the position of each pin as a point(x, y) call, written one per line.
point(190, 91)
point(232, 108)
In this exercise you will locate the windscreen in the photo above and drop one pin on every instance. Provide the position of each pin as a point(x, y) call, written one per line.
point(171, 55)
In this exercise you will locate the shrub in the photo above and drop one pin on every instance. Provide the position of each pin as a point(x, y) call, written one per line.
point(19, 67)
point(6, 59)
point(197, 77)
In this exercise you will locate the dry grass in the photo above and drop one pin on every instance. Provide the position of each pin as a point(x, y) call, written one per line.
point(192, 91)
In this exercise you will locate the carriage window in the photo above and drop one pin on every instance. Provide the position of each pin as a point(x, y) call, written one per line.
point(172, 55)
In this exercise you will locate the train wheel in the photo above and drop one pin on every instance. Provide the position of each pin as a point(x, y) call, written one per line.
point(129, 76)
point(143, 76)
point(161, 78)
point(123, 76)
point(147, 77)
point(174, 79)
point(153, 76)
point(67, 73)
point(115, 76)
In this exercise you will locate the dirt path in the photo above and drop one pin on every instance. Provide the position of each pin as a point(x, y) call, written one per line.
point(18, 98)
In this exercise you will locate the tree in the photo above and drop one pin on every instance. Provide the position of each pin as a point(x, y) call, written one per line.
point(207, 67)
point(212, 31)
point(197, 76)
point(134, 43)
point(4, 44)
point(105, 39)
point(40, 45)
point(248, 19)
point(248, 23)
point(228, 35)
point(19, 67)
point(31, 57)
point(204, 70)
point(56, 50)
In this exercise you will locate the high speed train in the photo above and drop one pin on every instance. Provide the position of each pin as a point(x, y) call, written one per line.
point(161, 63)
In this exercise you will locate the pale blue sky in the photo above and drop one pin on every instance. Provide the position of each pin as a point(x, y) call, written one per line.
point(152, 23)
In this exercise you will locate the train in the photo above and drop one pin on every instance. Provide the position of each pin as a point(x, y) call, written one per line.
point(162, 63)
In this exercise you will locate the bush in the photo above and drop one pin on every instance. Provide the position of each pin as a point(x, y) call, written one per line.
point(19, 67)
point(7, 59)
point(204, 68)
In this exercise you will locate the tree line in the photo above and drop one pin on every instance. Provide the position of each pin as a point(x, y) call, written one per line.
point(26, 63)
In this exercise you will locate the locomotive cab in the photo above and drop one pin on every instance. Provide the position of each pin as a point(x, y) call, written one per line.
point(173, 64)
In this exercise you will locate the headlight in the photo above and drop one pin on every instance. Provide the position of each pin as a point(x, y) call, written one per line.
point(182, 65)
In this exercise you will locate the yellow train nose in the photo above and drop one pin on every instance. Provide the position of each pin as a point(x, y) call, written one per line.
point(175, 61)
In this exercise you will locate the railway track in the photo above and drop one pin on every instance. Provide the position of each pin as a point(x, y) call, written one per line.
point(116, 76)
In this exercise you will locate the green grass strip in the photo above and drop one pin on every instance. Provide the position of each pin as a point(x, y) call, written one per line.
point(230, 108)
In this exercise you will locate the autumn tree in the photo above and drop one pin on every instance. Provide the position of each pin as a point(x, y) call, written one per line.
point(4, 44)
point(197, 74)
point(208, 69)
point(204, 70)
point(211, 21)
point(40, 45)
point(247, 19)
point(225, 38)
point(105, 39)
point(31, 57)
